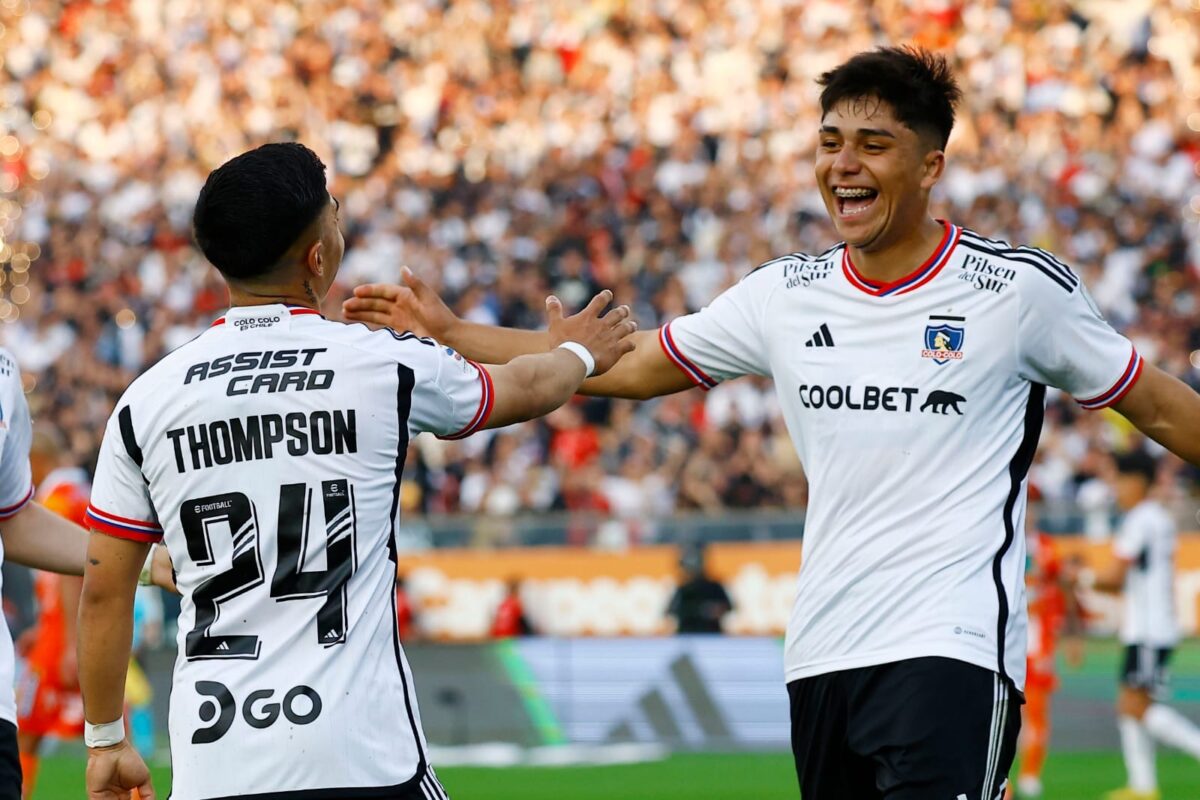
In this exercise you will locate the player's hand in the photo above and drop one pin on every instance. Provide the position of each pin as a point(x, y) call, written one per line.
point(113, 772)
point(408, 306)
point(607, 337)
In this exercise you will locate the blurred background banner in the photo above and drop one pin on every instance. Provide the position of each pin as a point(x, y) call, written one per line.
point(577, 592)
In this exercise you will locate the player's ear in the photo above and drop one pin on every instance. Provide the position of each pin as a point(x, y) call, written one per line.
point(932, 168)
point(314, 258)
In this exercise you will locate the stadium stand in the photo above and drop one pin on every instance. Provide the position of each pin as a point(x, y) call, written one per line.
point(509, 149)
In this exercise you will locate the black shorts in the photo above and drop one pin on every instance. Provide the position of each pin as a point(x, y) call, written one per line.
point(1145, 667)
point(911, 730)
point(10, 762)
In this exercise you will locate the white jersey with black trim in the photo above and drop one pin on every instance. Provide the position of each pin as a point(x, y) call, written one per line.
point(16, 490)
point(267, 455)
point(1147, 540)
point(915, 407)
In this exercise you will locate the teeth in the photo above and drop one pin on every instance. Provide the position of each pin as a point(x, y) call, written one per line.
point(843, 191)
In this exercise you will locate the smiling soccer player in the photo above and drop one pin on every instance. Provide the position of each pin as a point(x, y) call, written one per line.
point(911, 362)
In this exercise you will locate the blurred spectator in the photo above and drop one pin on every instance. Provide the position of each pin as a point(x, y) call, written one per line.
point(510, 619)
point(404, 611)
point(700, 603)
point(509, 149)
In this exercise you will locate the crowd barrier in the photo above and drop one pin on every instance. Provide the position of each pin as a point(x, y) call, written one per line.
point(584, 592)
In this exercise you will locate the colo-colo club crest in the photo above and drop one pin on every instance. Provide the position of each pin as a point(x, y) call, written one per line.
point(944, 339)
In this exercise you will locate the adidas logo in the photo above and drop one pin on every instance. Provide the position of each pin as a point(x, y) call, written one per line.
point(332, 634)
point(223, 646)
point(821, 338)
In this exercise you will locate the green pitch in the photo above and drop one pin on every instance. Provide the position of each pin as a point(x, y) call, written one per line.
point(1069, 776)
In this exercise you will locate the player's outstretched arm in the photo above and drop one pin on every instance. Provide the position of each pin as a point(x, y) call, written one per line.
point(646, 372)
point(105, 638)
point(37, 537)
point(533, 385)
point(1167, 410)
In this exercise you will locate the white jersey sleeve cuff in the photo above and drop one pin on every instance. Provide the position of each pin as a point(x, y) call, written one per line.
point(123, 527)
point(1133, 371)
point(487, 399)
point(9, 511)
point(697, 375)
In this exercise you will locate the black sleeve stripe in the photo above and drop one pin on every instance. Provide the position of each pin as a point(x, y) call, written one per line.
point(409, 335)
point(1007, 250)
point(790, 257)
point(803, 258)
point(1051, 274)
point(125, 420)
point(1050, 260)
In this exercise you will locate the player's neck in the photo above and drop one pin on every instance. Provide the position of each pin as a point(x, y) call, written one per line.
point(894, 261)
point(272, 295)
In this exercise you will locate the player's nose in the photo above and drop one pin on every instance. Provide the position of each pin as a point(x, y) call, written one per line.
point(846, 162)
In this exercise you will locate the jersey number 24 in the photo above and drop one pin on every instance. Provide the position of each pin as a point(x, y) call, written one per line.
point(290, 582)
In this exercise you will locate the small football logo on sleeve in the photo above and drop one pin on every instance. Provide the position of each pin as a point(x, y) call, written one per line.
point(466, 366)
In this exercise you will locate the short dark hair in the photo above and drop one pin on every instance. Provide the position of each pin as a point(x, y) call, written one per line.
point(917, 85)
point(1138, 462)
point(256, 205)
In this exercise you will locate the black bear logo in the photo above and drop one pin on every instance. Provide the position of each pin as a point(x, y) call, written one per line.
point(940, 402)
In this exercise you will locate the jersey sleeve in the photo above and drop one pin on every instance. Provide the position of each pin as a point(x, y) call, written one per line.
point(724, 340)
point(452, 397)
point(1131, 540)
point(120, 503)
point(16, 482)
point(1064, 342)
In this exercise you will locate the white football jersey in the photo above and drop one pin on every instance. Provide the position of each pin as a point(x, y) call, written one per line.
point(267, 455)
point(915, 407)
point(16, 490)
point(1147, 540)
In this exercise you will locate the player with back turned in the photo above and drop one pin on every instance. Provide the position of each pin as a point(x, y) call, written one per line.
point(1144, 567)
point(267, 454)
point(911, 362)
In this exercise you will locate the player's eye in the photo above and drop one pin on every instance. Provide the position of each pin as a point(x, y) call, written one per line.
point(829, 144)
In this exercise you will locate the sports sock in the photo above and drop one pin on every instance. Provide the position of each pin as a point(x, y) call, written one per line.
point(1029, 786)
point(1170, 727)
point(1138, 749)
point(29, 771)
point(1033, 758)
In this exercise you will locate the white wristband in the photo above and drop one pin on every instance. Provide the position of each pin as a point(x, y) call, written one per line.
point(105, 734)
point(585, 355)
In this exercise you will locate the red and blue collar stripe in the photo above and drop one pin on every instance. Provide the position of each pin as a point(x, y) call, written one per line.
point(913, 280)
point(1133, 371)
point(295, 311)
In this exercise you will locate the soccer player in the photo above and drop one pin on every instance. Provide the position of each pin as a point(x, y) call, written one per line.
point(267, 453)
point(1053, 608)
point(48, 701)
point(35, 536)
point(911, 362)
point(1145, 568)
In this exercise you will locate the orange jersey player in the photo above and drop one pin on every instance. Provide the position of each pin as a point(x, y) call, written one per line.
point(1052, 604)
point(48, 699)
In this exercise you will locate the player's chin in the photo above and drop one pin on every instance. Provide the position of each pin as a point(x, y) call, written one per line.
point(861, 234)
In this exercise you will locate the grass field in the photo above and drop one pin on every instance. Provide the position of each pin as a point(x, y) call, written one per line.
point(709, 776)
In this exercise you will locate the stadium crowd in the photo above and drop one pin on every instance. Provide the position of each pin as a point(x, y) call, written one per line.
point(512, 148)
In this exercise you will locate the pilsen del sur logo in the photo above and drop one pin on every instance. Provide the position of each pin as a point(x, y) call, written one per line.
point(944, 339)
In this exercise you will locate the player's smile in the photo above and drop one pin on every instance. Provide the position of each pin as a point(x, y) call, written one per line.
point(853, 201)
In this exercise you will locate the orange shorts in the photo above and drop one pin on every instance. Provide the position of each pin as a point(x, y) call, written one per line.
point(46, 709)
